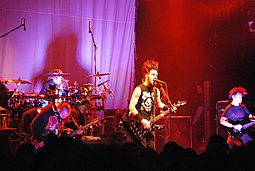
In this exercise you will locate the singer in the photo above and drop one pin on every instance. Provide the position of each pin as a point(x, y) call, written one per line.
point(144, 101)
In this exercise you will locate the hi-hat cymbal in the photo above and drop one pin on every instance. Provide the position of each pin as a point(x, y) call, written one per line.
point(19, 81)
point(98, 75)
point(56, 74)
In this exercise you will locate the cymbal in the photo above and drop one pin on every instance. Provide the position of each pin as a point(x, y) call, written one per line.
point(19, 81)
point(98, 75)
point(56, 74)
point(87, 84)
point(30, 95)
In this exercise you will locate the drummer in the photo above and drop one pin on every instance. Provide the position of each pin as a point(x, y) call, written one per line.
point(55, 82)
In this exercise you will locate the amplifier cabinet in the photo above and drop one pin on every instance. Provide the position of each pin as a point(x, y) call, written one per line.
point(181, 130)
point(178, 129)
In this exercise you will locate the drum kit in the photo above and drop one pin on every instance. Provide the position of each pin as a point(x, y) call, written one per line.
point(84, 97)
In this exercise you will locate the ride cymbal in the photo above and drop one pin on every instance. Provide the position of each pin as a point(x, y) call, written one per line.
point(19, 81)
point(56, 74)
point(98, 75)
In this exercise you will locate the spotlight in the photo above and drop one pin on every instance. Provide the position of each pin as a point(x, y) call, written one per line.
point(251, 25)
point(251, 20)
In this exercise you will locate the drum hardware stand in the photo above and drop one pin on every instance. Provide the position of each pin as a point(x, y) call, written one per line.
point(97, 74)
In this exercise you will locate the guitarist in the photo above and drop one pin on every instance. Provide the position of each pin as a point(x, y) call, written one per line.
point(47, 122)
point(144, 100)
point(234, 116)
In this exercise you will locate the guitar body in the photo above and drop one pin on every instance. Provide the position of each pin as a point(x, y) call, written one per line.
point(137, 132)
point(236, 134)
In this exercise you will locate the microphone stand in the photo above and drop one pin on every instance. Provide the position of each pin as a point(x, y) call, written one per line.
point(95, 48)
point(95, 68)
point(165, 94)
point(12, 30)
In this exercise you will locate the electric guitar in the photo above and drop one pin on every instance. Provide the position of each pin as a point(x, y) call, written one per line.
point(137, 132)
point(236, 134)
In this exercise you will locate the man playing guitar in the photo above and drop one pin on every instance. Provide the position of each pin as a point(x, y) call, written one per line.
point(145, 98)
point(237, 118)
point(47, 121)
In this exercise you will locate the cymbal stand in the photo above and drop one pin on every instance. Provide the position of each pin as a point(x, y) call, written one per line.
point(107, 89)
point(17, 89)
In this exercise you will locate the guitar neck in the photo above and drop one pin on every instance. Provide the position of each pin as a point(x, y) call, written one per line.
point(164, 113)
point(248, 125)
point(158, 117)
point(74, 133)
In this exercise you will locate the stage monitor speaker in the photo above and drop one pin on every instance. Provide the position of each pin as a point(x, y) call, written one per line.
point(220, 106)
point(112, 117)
point(181, 130)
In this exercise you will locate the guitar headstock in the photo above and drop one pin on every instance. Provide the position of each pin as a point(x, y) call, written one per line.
point(181, 103)
point(176, 105)
point(96, 121)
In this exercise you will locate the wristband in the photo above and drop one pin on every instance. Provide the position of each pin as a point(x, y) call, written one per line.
point(165, 107)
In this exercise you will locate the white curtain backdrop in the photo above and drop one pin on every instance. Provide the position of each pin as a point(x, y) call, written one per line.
point(57, 36)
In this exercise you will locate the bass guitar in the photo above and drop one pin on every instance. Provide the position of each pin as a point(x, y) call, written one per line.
point(137, 132)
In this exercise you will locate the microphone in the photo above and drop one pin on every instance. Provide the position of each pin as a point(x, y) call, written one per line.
point(102, 83)
point(159, 81)
point(25, 29)
point(106, 88)
point(89, 27)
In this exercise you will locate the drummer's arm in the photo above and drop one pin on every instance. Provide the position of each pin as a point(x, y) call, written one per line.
point(65, 83)
point(43, 90)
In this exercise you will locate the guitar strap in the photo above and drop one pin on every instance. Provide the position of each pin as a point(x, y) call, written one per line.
point(74, 121)
point(56, 110)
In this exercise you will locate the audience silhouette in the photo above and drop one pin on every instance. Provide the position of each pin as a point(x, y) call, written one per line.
point(65, 153)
